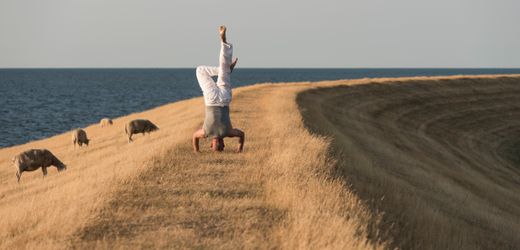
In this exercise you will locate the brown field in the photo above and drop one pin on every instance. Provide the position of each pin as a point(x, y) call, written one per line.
point(440, 158)
point(156, 193)
point(443, 186)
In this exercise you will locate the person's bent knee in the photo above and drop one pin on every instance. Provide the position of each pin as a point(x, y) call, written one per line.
point(201, 72)
point(199, 69)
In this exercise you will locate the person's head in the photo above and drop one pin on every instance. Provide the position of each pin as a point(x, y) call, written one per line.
point(217, 144)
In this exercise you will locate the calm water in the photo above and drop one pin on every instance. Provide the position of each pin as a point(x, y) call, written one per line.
point(38, 103)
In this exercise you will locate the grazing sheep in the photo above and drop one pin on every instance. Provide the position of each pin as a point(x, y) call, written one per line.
point(139, 126)
point(33, 159)
point(79, 136)
point(105, 122)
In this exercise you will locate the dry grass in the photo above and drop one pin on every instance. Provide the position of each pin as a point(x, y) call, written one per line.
point(156, 193)
point(46, 212)
point(440, 157)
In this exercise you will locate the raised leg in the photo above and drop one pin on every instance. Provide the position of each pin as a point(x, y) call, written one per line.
point(223, 39)
point(18, 175)
point(225, 61)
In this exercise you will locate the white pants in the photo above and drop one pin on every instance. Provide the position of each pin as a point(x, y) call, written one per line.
point(217, 93)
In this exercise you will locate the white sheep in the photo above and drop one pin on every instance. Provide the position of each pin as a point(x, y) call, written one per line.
point(105, 122)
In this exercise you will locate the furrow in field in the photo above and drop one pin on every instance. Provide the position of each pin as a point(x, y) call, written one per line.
point(440, 152)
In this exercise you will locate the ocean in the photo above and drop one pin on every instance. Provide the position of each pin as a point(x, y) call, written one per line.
point(38, 103)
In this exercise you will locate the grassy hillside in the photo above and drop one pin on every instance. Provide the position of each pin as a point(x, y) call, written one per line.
point(156, 193)
point(442, 153)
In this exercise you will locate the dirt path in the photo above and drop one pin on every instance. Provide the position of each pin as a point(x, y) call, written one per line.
point(210, 200)
point(270, 196)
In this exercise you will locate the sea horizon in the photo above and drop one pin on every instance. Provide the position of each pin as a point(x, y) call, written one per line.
point(42, 102)
point(433, 67)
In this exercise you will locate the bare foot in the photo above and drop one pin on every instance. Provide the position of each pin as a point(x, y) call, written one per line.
point(222, 30)
point(235, 60)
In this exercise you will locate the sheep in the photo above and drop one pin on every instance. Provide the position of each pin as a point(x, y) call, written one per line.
point(79, 136)
point(139, 126)
point(33, 159)
point(105, 122)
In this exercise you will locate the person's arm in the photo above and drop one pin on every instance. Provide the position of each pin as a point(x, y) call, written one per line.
point(195, 139)
point(241, 138)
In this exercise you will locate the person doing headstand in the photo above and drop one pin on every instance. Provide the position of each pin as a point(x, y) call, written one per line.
point(217, 97)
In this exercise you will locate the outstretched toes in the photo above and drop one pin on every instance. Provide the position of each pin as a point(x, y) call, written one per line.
point(222, 30)
point(233, 64)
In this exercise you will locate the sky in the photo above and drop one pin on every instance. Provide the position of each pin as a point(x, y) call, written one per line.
point(267, 33)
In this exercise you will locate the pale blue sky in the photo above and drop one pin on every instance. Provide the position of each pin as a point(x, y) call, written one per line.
point(268, 33)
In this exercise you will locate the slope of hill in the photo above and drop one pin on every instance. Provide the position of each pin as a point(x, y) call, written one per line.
point(439, 157)
point(448, 176)
point(155, 192)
